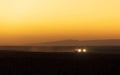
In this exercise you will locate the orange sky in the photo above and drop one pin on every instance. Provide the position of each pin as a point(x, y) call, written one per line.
point(31, 21)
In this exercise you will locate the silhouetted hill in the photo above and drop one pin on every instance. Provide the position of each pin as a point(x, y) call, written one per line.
point(108, 42)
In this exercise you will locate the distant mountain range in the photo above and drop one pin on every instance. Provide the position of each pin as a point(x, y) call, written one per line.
point(108, 42)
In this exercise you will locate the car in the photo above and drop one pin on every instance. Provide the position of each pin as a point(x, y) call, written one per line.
point(80, 50)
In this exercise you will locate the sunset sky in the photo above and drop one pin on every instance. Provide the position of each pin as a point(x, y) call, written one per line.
point(35, 21)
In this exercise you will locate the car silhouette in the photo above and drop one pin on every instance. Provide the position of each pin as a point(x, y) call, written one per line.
point(80, 50)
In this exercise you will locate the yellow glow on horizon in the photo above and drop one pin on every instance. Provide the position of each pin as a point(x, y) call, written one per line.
point(27, 21)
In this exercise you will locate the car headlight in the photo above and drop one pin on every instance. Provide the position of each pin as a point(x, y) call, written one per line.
point(84, 50)
point(79, 50)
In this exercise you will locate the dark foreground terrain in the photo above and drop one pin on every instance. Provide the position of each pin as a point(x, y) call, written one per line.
point(28, 63)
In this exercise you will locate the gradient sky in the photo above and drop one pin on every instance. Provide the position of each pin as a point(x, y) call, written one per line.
point(34, 21)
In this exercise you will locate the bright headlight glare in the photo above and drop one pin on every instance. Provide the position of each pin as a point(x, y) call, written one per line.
point(84, 50)
point(79, 50)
